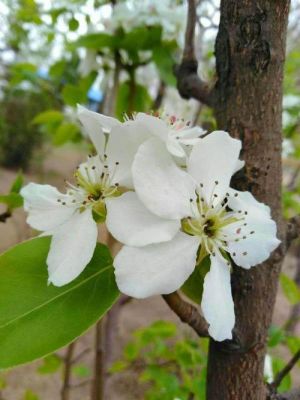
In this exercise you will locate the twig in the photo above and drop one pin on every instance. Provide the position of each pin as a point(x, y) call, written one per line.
point(97, 383)
point(80, 384)
point(65, 391)
point(281, 374)
point(80, 355)
point(187, 313)
point(159, 96)
point(292, 230)
point(291, 395)
point(188, 82)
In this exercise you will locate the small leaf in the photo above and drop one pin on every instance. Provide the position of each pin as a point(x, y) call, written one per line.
point(30, 395)
point(72, 95)
point(290, 289)
point(36, 319)
point(96, 41)
point(130, 99)
point(193, 287)
point(276, 336)
point(165, 63)
point(66, 132)
point(73, 24)
point(17, 184)
point(118, 366)
point(12, 200)
point(51, 364)
point(81, 371)
point(48, 117)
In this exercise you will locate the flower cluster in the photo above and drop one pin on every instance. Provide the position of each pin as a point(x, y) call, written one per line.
point(135, 13)
point(163, 190)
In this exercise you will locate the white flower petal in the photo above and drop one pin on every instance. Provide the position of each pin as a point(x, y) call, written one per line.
point(175, 148)
point(44, 211)
point(214, 159)
point(217, 304)
point(245, 201)
point(163, 187)
point(155, 126)
point(260, 231)
point(257, 246)
point(239, 165)
point(94, 125)
point(189, 135)
point(156, 269)
point(72, 248)
point(122, 145)
point(129, 221)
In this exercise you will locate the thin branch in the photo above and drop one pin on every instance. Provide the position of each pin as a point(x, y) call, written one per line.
point(188, 82)
point(80, 355)
point(291, 395)
point(282, 374)
point(187, 313)
point(292, 230)
point(98, 383)
point(65, 391)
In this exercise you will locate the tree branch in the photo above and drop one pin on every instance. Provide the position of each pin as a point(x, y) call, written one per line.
point(189, 84)
point(282, 374)
point(291, 395)
point(187, 313)
point(65, 391)
point(292, 230)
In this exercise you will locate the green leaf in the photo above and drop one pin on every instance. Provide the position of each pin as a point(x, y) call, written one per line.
point(73, 24)
point(36, 319)
point(96, 41)
point(132, 99)
point(193, 287)
point(141, 38)
point(276, 336)
point(81, 371)
point(165, 63)
point(66, 132)
point(118, 366)
point(51, 364)
point(48, 117)
point(17, 184)
point(278, 364)
point(57, 69)
point(12, 200)
point(73, 94)
point(30, 395)
point(290, 289)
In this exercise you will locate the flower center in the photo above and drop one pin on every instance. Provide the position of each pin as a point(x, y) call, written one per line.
point(208, 220)
point(95, 182)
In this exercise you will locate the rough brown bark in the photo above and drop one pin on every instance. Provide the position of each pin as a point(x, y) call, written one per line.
point(250, 51)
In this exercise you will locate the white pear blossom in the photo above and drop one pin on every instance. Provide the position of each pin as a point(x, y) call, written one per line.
point(135, 13)
point(71, 218)
point(176, 218)
point(176, 133)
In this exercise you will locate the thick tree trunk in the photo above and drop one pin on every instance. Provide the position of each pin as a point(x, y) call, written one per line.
point(250, 50)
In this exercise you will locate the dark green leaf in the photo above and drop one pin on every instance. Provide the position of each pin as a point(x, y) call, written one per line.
point(276, 336)
point(36, 319)
point(193, 287)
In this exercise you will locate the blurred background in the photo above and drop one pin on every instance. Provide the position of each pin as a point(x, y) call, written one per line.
point(117, 57)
